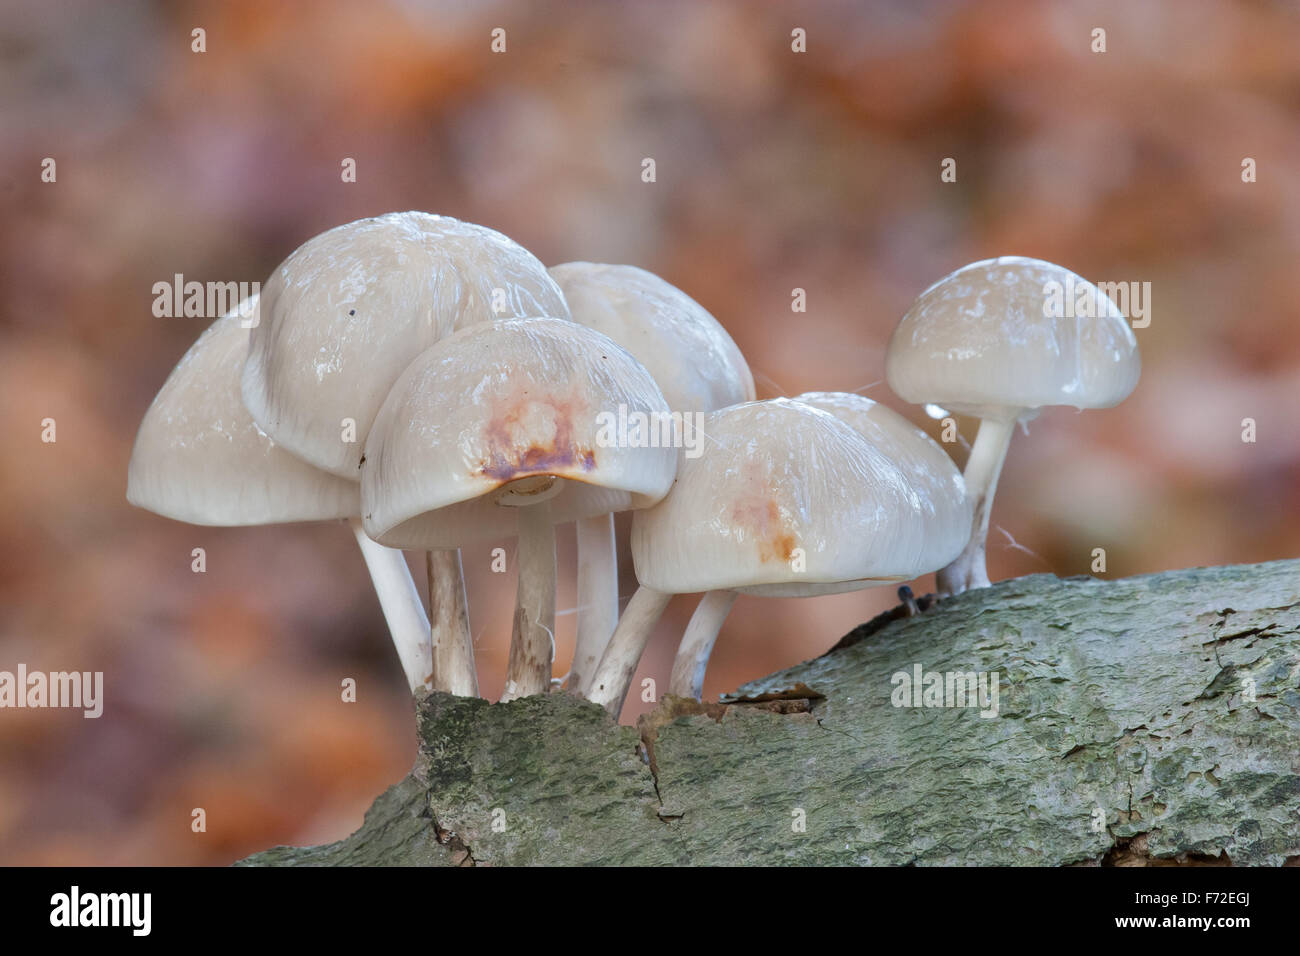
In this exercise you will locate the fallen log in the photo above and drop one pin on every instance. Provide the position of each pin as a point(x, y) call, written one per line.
point(1146, 720)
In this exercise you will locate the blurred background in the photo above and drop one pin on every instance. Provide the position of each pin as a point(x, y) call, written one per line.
point(776, 170)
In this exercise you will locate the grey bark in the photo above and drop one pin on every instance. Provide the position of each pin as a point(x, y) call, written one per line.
point(1145, 720)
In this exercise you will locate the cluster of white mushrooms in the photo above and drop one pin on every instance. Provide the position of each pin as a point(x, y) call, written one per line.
point(433, 383)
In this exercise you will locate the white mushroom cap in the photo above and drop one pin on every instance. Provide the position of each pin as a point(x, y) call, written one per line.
point(688, 352)
point(347, 311)
point(776, 476)
point(483, 410)
point(199, 457)
point(933, 479)
point(980, 342)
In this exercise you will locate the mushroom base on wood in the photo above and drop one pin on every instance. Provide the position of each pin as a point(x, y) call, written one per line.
point(609, 683)
point(692, 660)
point(1145, 698)
point(532, 644)
point(453, 644)
point(983, 467)
point(597, 597)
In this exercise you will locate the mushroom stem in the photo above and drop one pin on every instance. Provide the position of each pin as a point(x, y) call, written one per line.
point(453, 645)
point(597, 597)
point(693, 652)
point(613, 676)
point(532, 646)
point(982, 470)
point(403, 611)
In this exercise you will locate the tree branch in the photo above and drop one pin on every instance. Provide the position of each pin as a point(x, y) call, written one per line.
point(1143, 720)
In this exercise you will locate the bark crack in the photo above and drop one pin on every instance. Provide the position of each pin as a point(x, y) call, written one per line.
point(461, 854)
point(796, 701)
point(1135, 851)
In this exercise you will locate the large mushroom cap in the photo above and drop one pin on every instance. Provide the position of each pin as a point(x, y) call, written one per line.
point(778, 481)
point(484, 410)
point(350, 308)
point(688, 352)
point(933, 479)
point(981, 341)
point(199, 457)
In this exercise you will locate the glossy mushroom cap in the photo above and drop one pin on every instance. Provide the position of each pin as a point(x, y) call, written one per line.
point(199, 457)
point(688, 352)
point(780, 482)
point(933, 478)
point(350, 308)
point(480, 414)
point(980, 342)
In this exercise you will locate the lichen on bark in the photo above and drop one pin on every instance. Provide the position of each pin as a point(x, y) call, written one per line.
point(1148, 719)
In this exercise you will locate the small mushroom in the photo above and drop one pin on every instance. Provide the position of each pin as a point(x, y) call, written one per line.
point(494, 432)
point(932, 478)
point(698, 367)
point(786, 501)
point(344, 314)
point(989, 341)
point(200, 458)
